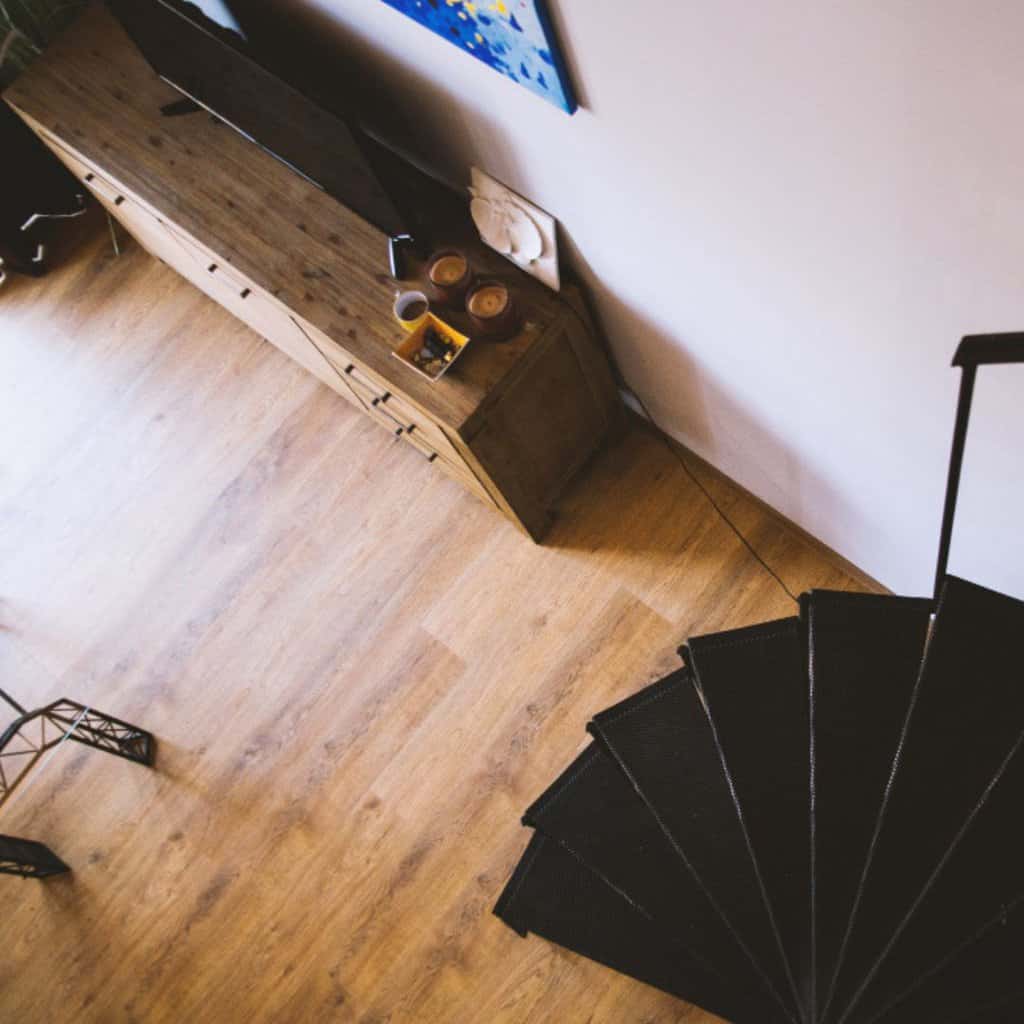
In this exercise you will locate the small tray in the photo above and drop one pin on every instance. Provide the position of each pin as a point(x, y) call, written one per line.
point(414, 342)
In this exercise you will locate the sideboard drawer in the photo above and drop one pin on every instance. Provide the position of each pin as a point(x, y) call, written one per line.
point(266, 318)
point(368, 384)
point(400, 418)
point(421, 425)
point(105, 191)
point(377, 396)
point(150, 232)
point(334, 353)
point(364, 385)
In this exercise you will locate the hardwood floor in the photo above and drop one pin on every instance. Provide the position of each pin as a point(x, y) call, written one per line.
point(358, 675)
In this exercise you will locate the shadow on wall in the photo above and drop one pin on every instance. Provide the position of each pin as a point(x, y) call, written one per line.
point(383, 92)
point(654, 359)
point(706, 411)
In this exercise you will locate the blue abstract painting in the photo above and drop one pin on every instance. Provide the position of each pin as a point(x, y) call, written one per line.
point(512, 36)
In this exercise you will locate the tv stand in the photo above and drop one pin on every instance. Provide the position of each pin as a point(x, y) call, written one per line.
point(511, 423)
point(179, 108)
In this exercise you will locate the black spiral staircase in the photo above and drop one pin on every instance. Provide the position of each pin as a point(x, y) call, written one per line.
point(818, 820)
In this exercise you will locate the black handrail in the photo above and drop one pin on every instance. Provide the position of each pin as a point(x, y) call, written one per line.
point(990, 349)
point(973, 351)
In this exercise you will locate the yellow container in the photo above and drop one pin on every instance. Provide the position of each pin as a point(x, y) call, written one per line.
point(410, 348)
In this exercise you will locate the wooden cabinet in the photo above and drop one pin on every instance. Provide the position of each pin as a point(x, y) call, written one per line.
point(511, 423)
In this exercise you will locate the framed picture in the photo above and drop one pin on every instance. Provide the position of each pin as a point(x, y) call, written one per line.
point(514, 37)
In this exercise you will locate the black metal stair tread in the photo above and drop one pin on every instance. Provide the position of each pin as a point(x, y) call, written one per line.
point(979, 983)
point(593, 811)
point(552, 894)
point(966, 713)
point(864, 656)
point(753, 685)
point(663, 741)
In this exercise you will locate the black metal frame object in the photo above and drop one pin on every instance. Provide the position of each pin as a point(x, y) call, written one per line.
point(33, 733)
point(974, 350)
point(29, 737)
point(29, 859)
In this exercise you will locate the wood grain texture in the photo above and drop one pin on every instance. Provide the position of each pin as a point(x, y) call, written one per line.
point(358, 676)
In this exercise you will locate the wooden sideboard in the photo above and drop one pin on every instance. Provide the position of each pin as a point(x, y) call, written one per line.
point(511, 422)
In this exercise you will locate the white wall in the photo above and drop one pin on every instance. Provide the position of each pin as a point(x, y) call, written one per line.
point(788, 212)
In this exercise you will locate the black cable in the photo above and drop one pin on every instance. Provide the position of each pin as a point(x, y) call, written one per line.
point(588, 329)
point(714, 504)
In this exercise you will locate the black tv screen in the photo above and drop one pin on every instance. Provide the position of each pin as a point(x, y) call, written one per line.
point(202, 49)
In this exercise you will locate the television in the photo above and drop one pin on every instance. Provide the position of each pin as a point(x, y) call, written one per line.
point(204, 50)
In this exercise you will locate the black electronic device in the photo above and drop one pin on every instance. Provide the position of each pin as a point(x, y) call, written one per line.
point(205, 51)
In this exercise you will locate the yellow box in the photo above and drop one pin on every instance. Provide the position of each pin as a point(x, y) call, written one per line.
point(411, 345)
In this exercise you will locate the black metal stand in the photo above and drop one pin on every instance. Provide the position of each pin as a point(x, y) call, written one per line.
point(30, 736)
point(104, 732)
point(29, 859)
point(33, 180)
point(975, 350)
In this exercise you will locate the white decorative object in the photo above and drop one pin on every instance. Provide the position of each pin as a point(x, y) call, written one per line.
point(492, 223)
point(516, 228)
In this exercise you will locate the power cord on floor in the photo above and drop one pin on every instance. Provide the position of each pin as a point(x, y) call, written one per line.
point(714, 504)
point(588, 329)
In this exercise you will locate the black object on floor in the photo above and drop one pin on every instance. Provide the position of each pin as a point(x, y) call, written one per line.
point(35, 186)
point(29, 859)
point(29, 737)
point(814, 820)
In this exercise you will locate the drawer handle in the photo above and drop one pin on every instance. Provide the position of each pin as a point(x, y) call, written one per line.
point(430, 457)
point(214, 267)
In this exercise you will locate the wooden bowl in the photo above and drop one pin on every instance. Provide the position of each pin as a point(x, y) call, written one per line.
point(447, 284)
point(492, 310)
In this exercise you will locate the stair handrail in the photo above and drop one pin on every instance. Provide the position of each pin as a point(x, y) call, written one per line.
point(973, 351)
